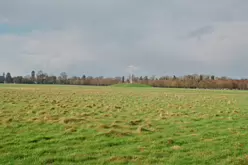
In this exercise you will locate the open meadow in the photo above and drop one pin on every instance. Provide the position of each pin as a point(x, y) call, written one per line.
point(65, 125)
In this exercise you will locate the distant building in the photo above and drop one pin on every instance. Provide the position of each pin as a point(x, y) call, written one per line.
point(1, 79)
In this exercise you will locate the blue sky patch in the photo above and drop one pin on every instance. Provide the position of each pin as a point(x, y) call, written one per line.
point(8, 29)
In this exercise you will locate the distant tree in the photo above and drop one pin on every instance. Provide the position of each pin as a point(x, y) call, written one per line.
point(33, 76)
point(41, 77)
point(54, 79)
point(63, 77)
point(195, 77)
point(162, 78)
point(3, 79)
point(223, 78)
point(123, 79)
point(153, 77)
point(27, 80)
point(18, 79)
point(187, 81)
point(8, 78)
point(51, 80)
point(207, 77)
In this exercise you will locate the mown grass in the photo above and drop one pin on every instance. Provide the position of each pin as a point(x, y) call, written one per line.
point(105, 125)
point(131, 85)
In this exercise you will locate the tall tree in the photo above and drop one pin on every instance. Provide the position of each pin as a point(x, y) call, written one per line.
point(83, 77)
point(123, 79)
point(3, 78)
point(8, 78)
point(33, 76)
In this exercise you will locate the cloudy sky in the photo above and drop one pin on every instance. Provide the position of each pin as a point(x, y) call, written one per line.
point(103, 37)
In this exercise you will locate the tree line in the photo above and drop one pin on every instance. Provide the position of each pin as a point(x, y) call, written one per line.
point(187, 81)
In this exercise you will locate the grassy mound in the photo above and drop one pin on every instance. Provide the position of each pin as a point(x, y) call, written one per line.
point(131, 85)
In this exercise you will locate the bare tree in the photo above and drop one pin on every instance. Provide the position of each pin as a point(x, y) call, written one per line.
point(63, 77)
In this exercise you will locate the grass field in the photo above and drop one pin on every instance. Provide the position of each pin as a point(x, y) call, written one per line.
point(109, 125)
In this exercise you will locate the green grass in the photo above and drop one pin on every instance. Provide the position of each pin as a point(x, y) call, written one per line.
point(131, 85)
point(104, 125)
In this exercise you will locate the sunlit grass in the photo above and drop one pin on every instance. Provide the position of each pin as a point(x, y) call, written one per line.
point(105, 125)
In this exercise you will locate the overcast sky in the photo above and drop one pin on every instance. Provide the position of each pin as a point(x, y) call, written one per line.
point(103, 37)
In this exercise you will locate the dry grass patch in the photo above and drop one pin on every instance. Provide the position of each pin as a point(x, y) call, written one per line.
point(123, 159)
point(141, 129)
point(72, 120)
point(116, 133)
point(176, 147)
